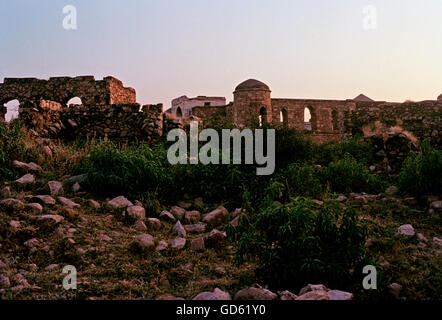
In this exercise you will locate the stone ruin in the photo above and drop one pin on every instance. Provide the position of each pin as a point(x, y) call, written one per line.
point(110, 111)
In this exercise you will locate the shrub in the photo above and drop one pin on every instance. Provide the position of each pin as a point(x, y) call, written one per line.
point(422, 174)
point(133, 170)
point(349, 175)
point(12, 147)
point(291, 146)
point(333, 151)
point(299, 243)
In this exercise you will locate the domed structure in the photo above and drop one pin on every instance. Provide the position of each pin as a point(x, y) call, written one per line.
point(439, 98)
point(252, 84)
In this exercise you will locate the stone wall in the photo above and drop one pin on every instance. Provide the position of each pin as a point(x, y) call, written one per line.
point(61, 89)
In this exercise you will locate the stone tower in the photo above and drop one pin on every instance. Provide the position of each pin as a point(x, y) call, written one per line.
point(251, 102)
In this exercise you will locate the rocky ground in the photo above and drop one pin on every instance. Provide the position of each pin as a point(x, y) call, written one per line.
point(120, 251)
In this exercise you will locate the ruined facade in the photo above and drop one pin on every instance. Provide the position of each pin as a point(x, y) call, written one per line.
point(109, 110)
point(182, 107)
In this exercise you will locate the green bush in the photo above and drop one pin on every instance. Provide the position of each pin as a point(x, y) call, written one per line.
point(131, 170)
point(291, 146)
point(349, 175)
point(299, 243)
point(422, 174)
point(333, 151)
point(12, 147)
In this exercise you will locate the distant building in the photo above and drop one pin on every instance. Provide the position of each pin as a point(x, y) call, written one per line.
point(439, 98)
point(363, 98)
point(182, 106)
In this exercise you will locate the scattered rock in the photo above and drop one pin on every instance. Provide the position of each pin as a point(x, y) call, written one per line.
point(136, 213)
point(140, 226)
point(339, 295)
point(4, 282)
point(26, 167)
point(192, 217)
point(217, 216)
point(421, 237)
point(342, 198)
point(106, 238)
point(94, 204)
point(184, 204)
point(51, 267)
point(12, 205)
point(167, 216)
point(177, 212)
point(14, 225)
point(68, 203)
point(197, 244)
point(25, 180)
point(54, 188)
point(314, 295)
point(437, 242)
point(215, 238)
point(119, 203)
point(196, 228)
point(76, 187)
point(258, 294)
point(436, 205)
point(50, 219)
point(287, 296)
point(144, 242)
point(34, 208)
point(5, 192)
point(406, 231)
point(168, 297)
point(217, 294)
point(178, 243)
point(312, 287)
point(179, 230)
point(395, 290)
point(162, 245)
point(31, 243)
point(235, 222)
point(154, 224)
point(43, 200)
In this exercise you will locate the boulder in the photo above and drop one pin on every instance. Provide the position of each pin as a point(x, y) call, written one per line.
point(216, 217)
point(196, 228)
point(437, 242)
point(406, 231)
point(192, 217)
point(68, 203)
point(179, 230)
point(178, 243)
point(5, 192)
point(162, 245)
point(136, 213)
point(197, 244)
point(259, 294)
point(144, 242)
point(340, 295)
point(34, 208)
point(168, 297)
point(436, 205)
point(119, 203)
point(395, 290)
point(216, 294)
point(154, 224)
point(27, 179)
point(54, 188)
point(184, 204)
point(12, 205)
point(94, 204)
point(287, 296)
point(167, 216)
point(26, 167)
point(50, 219)
point(140, 226)
point(177, 212)
point(43, 200)
point(215, 238)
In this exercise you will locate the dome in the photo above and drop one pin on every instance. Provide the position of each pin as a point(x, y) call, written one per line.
point(439, 98)
point(252, 84)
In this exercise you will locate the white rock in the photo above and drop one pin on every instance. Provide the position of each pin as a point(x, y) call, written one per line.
point(25, 180)
point(406, 231)
point(136, 212)
point(68, 203)
point(55, 188)
point(217, 294)
point(217, 216)
point(179, 230)
point(119, 203)
point(258, 294)
point(178, 243)
point(166, 215)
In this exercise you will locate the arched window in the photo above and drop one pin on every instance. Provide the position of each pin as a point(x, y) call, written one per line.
point(262, 116)
point(307, 119)
point(179, 113)
point(335, 122)
point(284, 117)
point(74, 101)
point(12, 110)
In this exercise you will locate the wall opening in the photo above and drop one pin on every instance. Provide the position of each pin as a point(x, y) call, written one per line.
point(74, 101)
point(335, 122)
point(262, 116)
point(12, 110)
point(308, 119)
point(179, 113)
point(283, 117)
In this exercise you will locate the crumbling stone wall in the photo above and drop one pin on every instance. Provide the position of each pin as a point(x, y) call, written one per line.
point(61, 89)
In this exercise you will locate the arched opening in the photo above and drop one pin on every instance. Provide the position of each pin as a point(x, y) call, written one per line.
point(284, 117)
point(74, 101)
point(308, 119)
point(262, 116)
point(179, 112)
point(335, 122)
point(12, 110)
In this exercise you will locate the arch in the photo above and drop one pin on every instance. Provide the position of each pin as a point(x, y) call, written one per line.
point(284, 117)
point(309, 118)
point(262, 116)
point(74, 101)
point(335, 122)
point(12, 110)
point(179, 112)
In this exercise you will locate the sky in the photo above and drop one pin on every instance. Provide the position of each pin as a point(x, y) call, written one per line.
point(164, 49)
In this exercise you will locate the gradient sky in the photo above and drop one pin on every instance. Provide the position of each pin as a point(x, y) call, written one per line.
point(168, 48)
